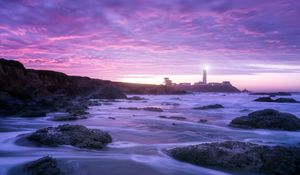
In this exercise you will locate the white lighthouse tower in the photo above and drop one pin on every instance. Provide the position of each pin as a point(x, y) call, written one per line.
point(205, 75)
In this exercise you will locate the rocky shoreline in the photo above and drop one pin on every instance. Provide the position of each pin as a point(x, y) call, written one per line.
point(34, 93)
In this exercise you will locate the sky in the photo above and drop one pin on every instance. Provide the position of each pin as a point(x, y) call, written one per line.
point(255, 44)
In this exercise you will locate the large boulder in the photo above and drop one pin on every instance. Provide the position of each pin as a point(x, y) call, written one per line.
point(213, 106)
point(75, 135)
point(240, 156)
point(43, 166)
point(267, 119)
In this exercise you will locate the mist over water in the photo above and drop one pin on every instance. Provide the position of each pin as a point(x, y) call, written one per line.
point(140, 137)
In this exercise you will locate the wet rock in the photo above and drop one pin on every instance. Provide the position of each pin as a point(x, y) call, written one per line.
point(241, 156)
point(214, 106)
point(245, 110)
point(94, 103)
point(170, 104)
point(135, 98)
point(129, 108)
point(202, 121)
point(172, 117)
point(272, 94)
point(153, 109)
point(264, 99)
point(286, 100)
point(68, 117)
point(75, 135)
point(267, 119)
point(107, 103)
point(43, 166)
point(279, 100)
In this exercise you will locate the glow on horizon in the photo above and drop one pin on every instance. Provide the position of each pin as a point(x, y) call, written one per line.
point(267, 81)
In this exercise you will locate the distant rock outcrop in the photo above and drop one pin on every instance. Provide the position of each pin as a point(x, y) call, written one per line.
point(286, 100)
point(267, 119)
point(272, 94)
point(241, 156)
point(213, 106)
point(264, 99)
point(75, 135)
point(245, 91)
point(279, 100)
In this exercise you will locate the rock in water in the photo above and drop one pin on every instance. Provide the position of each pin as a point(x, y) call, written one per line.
point(264, 99)
point(135, 98)
point(279, 100)
point(75, 135)
point(129, 108)
point(286, 100)
point(240, 156)
point(43, 166)
point(267, 119)
point(214, 106)
point(153, 109)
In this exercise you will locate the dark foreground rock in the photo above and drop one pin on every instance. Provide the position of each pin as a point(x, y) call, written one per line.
point(43, 166)
point(214, 106)
point(75, 135)
point(279, 100)
point(240, 156)
point(267, 119)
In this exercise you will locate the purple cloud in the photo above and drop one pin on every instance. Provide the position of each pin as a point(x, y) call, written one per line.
point(142, 37)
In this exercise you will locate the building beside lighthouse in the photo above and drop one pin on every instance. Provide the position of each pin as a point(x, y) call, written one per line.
point(202, 86)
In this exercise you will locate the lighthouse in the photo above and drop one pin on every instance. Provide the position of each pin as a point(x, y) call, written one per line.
point(204, 76)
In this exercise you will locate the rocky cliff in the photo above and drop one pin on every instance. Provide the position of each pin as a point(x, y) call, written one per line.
point(28, 92)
